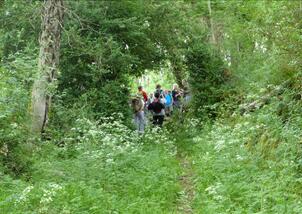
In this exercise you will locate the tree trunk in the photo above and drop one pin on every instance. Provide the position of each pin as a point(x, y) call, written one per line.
point(52, 20)
point(213, 38)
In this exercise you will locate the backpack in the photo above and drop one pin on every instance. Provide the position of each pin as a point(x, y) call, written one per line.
point(137, 104)
point(159, 91)
point(157, 107)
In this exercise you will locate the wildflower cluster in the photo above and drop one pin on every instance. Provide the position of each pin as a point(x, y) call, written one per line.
point(23, 196)
point(214, 191)
point(109, 137)
point(48, 194)
point(157, 136)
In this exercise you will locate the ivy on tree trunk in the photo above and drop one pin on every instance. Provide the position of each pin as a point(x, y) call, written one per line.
point(52, 21)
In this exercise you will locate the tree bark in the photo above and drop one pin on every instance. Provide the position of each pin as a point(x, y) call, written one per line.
point(52, 20)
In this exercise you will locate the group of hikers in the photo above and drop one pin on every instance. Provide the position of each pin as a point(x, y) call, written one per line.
point(159, 105)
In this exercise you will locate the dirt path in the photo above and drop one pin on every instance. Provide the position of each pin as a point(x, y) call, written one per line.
point(187, 194)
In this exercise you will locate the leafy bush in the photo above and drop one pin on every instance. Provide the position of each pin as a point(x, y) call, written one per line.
point(206, 75)
point(16, 79)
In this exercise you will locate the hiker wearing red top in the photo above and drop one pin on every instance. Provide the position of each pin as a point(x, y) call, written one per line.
point(143, 93)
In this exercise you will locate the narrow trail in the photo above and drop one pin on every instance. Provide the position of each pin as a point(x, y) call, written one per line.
point(187, 194)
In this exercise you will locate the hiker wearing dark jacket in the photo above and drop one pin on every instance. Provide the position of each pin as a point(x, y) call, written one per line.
point(176, 94)
point(158, 110)
point(158, 90)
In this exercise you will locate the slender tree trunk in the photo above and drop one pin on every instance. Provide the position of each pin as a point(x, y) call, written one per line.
point(52, 20)
point(213, 38)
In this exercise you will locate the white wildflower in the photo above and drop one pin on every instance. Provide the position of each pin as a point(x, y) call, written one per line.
point(24, 194)
point(238, 157)
point(50, 192)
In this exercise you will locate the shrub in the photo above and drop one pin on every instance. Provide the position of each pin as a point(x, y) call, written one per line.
point(16, 79)
point(206, 75)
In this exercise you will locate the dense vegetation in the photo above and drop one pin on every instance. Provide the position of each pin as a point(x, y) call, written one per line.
point(236, 149)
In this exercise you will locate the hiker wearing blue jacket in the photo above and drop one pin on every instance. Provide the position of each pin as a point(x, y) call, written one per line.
point(169, 102)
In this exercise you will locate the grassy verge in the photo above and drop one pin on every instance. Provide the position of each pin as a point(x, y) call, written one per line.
point(247, 164)
point(109, 176)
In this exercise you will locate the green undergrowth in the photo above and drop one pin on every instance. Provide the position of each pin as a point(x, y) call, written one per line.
point(241, 162)
point(97, 168)
point(248, 163)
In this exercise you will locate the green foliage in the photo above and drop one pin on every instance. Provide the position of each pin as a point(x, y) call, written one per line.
point(206, 75)
point(19, 27)
point(164, 77)
point(16, 78)
point(249, 163)
point(106, 44)
point(100, 168)
point(90, 161)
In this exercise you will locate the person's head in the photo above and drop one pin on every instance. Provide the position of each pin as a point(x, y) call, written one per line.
point(140, 88)
point(175, 86)
point(166, 91)
point(158, 86)
point(134, 100)
point(157, 95)
point(151, 95)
